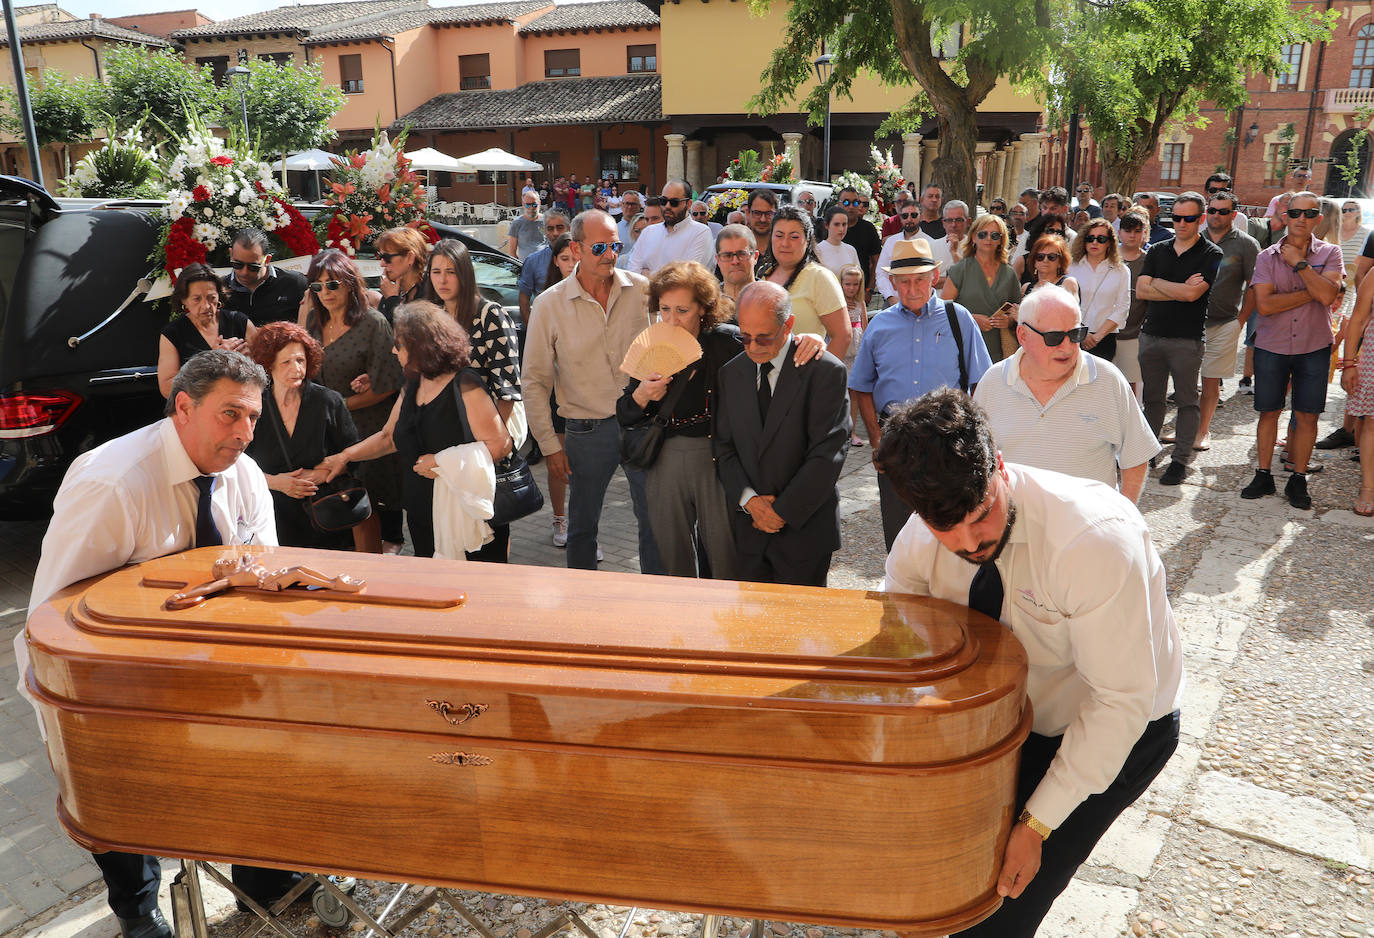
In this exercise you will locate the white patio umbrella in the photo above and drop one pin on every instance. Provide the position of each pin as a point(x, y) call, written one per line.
point(497, 160)
point(309, 161)
point(429, 158)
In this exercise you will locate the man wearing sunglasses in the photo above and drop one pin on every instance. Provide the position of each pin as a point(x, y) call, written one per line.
point(255, 288)
point(701, 212)
point(911, 231)
point(679, 238)
point(1068, 566)
point(1229, 304)
point(893, 223)
point(1175, 280)
point(862, 236)
point(582, 327)
point(526, 235)
point(1298, 182)
point(1296, 281)
point(1037, 397)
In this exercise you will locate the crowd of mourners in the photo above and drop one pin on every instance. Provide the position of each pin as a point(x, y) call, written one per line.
point(1000, 303)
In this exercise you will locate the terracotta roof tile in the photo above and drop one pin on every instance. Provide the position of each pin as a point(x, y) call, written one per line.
point(80, 29)
point(622, 98)
point(487, 12)
point(306, 18)
point(609, 14)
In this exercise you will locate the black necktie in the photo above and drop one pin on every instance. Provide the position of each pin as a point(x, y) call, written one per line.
point(985, 592)
point(765, 391)
point(207, 534)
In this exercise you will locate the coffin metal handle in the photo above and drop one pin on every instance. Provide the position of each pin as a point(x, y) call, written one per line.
point(450, 713)
point(459, 758)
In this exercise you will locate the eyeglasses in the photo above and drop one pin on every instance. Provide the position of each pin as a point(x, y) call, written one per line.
point(911, 214)
point(755, 213)
point(674, 202)
point(1219, 211)
point(957, 220)
point(731, 256)
point(987, 234)
point(809, 203)
point(1303, 212)
point(851, 203)
point(1047, 257)
point(1097, 239)
point(1186, 219)
point(531, 205)
point(700, 214)
point(386, 257)
point(1214, 191)
point(1351, 210)
point(321, 285)
point(747, 340)
point(1055, 337)
point(239, 265)
point(601, 247)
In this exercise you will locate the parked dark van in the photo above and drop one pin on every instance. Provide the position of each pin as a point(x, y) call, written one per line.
point(73, 376)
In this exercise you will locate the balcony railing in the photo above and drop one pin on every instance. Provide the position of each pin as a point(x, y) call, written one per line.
point(1348, 100)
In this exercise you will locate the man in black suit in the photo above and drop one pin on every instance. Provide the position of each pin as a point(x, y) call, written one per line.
point(780, 438)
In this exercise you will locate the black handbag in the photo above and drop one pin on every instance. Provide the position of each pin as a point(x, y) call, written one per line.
point(641, 441)
point(517, 495)
point(337, 505)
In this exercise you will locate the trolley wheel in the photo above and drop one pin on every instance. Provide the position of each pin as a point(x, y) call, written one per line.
point(331, 911)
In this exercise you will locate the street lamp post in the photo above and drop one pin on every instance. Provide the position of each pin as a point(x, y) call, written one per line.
point(236, 72)
point(823, 66)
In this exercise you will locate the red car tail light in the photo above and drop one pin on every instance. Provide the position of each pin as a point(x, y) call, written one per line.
point(35, 413)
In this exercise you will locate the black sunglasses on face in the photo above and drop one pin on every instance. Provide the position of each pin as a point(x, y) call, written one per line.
point(1097, 239)
point(1351, 210)
point(674, 202)
point(1303, 212)
point(1216, 190)
point(1219, 211)
point(1055, 337)
point(1186, 219)
point(1046, 257)
point(322, 285)
point(601, 247)
point(700, 214)
point(387, 256)
point(239, 265)
point(987, 234)
point(747, 340)
point(911, 214)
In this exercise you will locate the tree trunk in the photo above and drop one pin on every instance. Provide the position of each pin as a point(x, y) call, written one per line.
point(954, 169)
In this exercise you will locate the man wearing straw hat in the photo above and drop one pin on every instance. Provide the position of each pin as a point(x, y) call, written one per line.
point(918, 344)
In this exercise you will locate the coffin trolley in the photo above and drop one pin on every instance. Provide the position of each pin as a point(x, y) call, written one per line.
point(766, 752)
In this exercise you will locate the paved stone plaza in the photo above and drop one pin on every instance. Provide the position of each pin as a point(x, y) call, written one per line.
point(1263, 823)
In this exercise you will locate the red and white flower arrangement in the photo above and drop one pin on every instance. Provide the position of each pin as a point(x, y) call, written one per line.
point(370, 192)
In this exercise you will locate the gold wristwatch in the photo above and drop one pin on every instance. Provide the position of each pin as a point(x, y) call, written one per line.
point(1030, 821)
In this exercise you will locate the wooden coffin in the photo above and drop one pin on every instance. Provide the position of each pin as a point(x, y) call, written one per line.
point(776, 752)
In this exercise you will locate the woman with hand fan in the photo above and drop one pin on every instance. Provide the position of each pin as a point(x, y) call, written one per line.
point(673, 367)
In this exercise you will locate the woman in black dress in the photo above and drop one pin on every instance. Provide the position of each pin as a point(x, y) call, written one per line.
point(444, 403)
point(301, 423)
point(201, 323)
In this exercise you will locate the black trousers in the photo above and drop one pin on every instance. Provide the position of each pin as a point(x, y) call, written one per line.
point(758, 568)
point(895, 512)
point(1073, 841)
point(1106, 348)
point(132, 881)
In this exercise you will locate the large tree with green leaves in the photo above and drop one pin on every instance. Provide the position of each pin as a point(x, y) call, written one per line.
point(289, 108)
point(897, 41)
point(65, 111)
point(160, 84)
point(1131, 67)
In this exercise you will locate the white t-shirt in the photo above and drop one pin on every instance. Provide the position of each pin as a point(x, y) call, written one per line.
point(836, 258)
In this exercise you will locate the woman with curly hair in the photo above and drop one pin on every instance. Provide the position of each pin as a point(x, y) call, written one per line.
point(444, 404)
point(357, 343)
point(792, 263)
point(301, 423)
point(1048, 260)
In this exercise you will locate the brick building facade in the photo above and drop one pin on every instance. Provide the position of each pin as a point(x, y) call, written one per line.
point(1309, 113)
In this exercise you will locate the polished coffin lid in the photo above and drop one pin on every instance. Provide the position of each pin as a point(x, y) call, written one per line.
point(547, 655)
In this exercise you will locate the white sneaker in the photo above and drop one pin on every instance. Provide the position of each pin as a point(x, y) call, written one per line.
point(599, 555)
point(560, 531)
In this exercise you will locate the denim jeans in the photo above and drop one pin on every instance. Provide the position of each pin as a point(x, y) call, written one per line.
point(593, 449)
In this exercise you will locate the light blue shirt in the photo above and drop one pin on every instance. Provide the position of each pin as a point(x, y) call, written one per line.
point(533, 270)
point(903, 354)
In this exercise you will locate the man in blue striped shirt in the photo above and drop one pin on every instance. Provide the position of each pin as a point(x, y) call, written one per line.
point(918, 344)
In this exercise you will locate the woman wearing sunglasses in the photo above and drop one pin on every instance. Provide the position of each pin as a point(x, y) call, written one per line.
point(357, 343)
point(1352, 237)
point(403, 253)
point(1048, 262)
point(985, 284)
point(202, 323)
point(1104, 286)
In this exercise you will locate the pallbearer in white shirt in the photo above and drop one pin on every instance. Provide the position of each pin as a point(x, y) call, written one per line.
point(1068, 566)
point(182, 482)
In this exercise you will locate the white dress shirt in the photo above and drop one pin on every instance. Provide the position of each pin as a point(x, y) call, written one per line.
point(134, 499)
point(1090, 426)
point(1103, 294)
point(688, 240)
point(1084, 593)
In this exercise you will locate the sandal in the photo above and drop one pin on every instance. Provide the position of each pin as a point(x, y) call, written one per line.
point(1364, 506)
point(1312, 467)
point(855, 441)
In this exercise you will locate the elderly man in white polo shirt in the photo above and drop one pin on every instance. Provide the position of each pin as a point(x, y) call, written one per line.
point(1052, 407)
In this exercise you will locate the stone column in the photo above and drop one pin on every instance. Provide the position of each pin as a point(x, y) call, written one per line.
point(911, 157)
point(694, 165)
point(1030, 160)
point(928, 164)
point(992, 177)
point(1009, 191)
point(677, 165)
point(791, 145)
point(1014, 184)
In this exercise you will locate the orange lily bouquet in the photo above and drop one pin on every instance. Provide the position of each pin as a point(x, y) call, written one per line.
point(368, 193)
